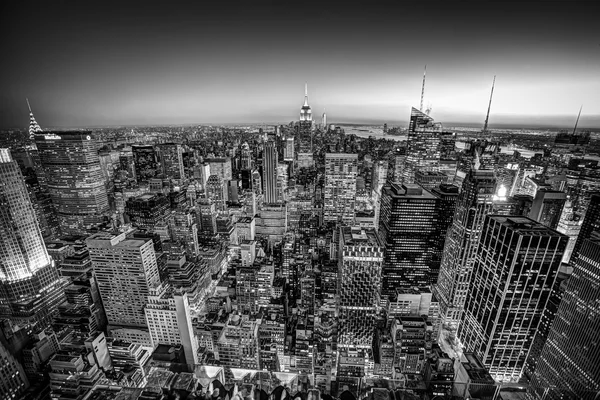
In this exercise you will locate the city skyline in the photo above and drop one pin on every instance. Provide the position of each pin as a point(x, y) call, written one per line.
point(182, 65)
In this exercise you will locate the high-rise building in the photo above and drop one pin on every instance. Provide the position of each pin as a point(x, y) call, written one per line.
point(568, 366)
point(305, 123)
point(424, 145)
point(126, 270)
point(221, 167)
point(169, 321)
point(341, 171)
point(147, 211)
point(514, 271)
point(75, 180)
point(13, 381)
point(409, 229)
point(360, 265)
point(146, 162)
point(171, 157)
point(288, 151)
point(30, 288)
point(269, 178)
point(473, 204)
point(590, 224)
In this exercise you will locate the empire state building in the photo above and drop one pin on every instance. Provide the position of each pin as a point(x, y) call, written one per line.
point(305, 123)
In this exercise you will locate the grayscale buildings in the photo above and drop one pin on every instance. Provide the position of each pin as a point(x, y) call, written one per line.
point(513, 274)
point(341, 171)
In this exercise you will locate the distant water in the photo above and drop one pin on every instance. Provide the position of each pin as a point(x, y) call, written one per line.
point(366, 131)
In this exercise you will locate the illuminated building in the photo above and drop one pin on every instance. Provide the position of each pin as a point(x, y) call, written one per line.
point(126, 270)
point(568, 366)
point(30, 288)
point(245, 157)
point(513, 274)
point(269, 178)
point(169, 321)
point(171, 158)
point(305, 123)
point(215, 191)
point(473, 204)
point(361, 262)
point(288, 152)
point(145, 159)
point(183, 230)
point(75, 180)
point(341, 171)
point(409, 230)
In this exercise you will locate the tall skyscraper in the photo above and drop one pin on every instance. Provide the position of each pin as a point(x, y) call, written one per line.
point(305, 123)
point(75, 181)
point(360, 265)
point(514, 271)
point(409, 230)
point(270, 173)
point(568, 366)
point(590, 224)
point(126, 270)
point(171, 156)
point(30, 288)
point(425, 145)
point(341, 171)
point(473, 204)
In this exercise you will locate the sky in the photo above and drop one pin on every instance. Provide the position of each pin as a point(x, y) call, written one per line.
point(138, 63)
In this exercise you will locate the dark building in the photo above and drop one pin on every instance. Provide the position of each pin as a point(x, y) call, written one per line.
point(591, 223)
point(147, 210)
point(75, 180)
point(568, 366)
point(408, 227)
point(514, 272)
point(146, 163)
point(171, 160)
point(547, 207)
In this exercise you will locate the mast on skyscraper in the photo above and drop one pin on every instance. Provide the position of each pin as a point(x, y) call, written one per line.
point(34, 127)
point(423, 88)
point(577, 121)
point(487, 117)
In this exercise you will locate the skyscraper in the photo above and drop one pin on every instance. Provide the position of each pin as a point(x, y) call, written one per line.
point(409, 230)
point(547, 207)
point(270, 173)
point(30, 288)
point(474, 202)
point(341, 171)
point(590, 224)
point(514, 271)
point(126, 270)
point(305, 123)
point(360, 265)
point(568, 366)
point(75, 181)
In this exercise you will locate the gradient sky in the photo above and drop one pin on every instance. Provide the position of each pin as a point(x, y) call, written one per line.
point(97, 63)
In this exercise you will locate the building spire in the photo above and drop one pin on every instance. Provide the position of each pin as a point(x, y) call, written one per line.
point(423, 88)
point(34, 127)
point(487, 117)
point(305, 94)
point(577, 121)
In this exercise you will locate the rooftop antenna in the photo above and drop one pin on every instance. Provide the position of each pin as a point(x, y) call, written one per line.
point(577, 121)
point(487, 117)
point(423, 88)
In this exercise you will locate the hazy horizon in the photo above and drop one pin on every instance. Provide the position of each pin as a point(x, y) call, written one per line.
point(131, 64)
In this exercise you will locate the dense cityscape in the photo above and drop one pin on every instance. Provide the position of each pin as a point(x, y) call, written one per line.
point(275, 200)
point(300, 261)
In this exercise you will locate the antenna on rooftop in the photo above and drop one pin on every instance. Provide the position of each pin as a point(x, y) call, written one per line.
point(487, 117)
point(423, 88)
point(577, 121)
